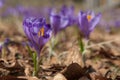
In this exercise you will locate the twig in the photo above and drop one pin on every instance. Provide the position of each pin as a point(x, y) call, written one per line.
point(99, 44)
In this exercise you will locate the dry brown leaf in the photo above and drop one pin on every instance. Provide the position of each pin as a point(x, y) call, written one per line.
point(59, 77)
point(73, 56)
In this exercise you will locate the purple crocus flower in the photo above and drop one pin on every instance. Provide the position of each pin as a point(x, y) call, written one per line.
point(69, 13)
point(87, 22)
point(37, 31)
point(58, 22)
point(62, 19)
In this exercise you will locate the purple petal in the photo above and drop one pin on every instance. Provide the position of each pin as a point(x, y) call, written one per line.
point(95, 21)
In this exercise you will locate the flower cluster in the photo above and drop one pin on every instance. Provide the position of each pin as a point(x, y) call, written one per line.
point(86, 20)
point(39, 32)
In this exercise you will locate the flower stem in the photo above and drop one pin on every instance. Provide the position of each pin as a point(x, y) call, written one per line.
point(82, 49)
point(51, 49)
point(35, 61)
point(81, 45)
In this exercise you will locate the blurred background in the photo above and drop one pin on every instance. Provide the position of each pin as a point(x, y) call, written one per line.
point(98, 5)
point(12, 12)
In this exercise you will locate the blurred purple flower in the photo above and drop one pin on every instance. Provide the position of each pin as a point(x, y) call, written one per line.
point(37, 31)
point(6, 42)
point(0, 48)
point(63, 19)
point(117, 23)
point(31, 11)
point(87, 22)
point(2, 3)
point(12, 11)
point(69, 13)
point(58, 22)
point(25, 12)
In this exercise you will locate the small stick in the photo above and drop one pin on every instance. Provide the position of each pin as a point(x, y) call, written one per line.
point(99, 44)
